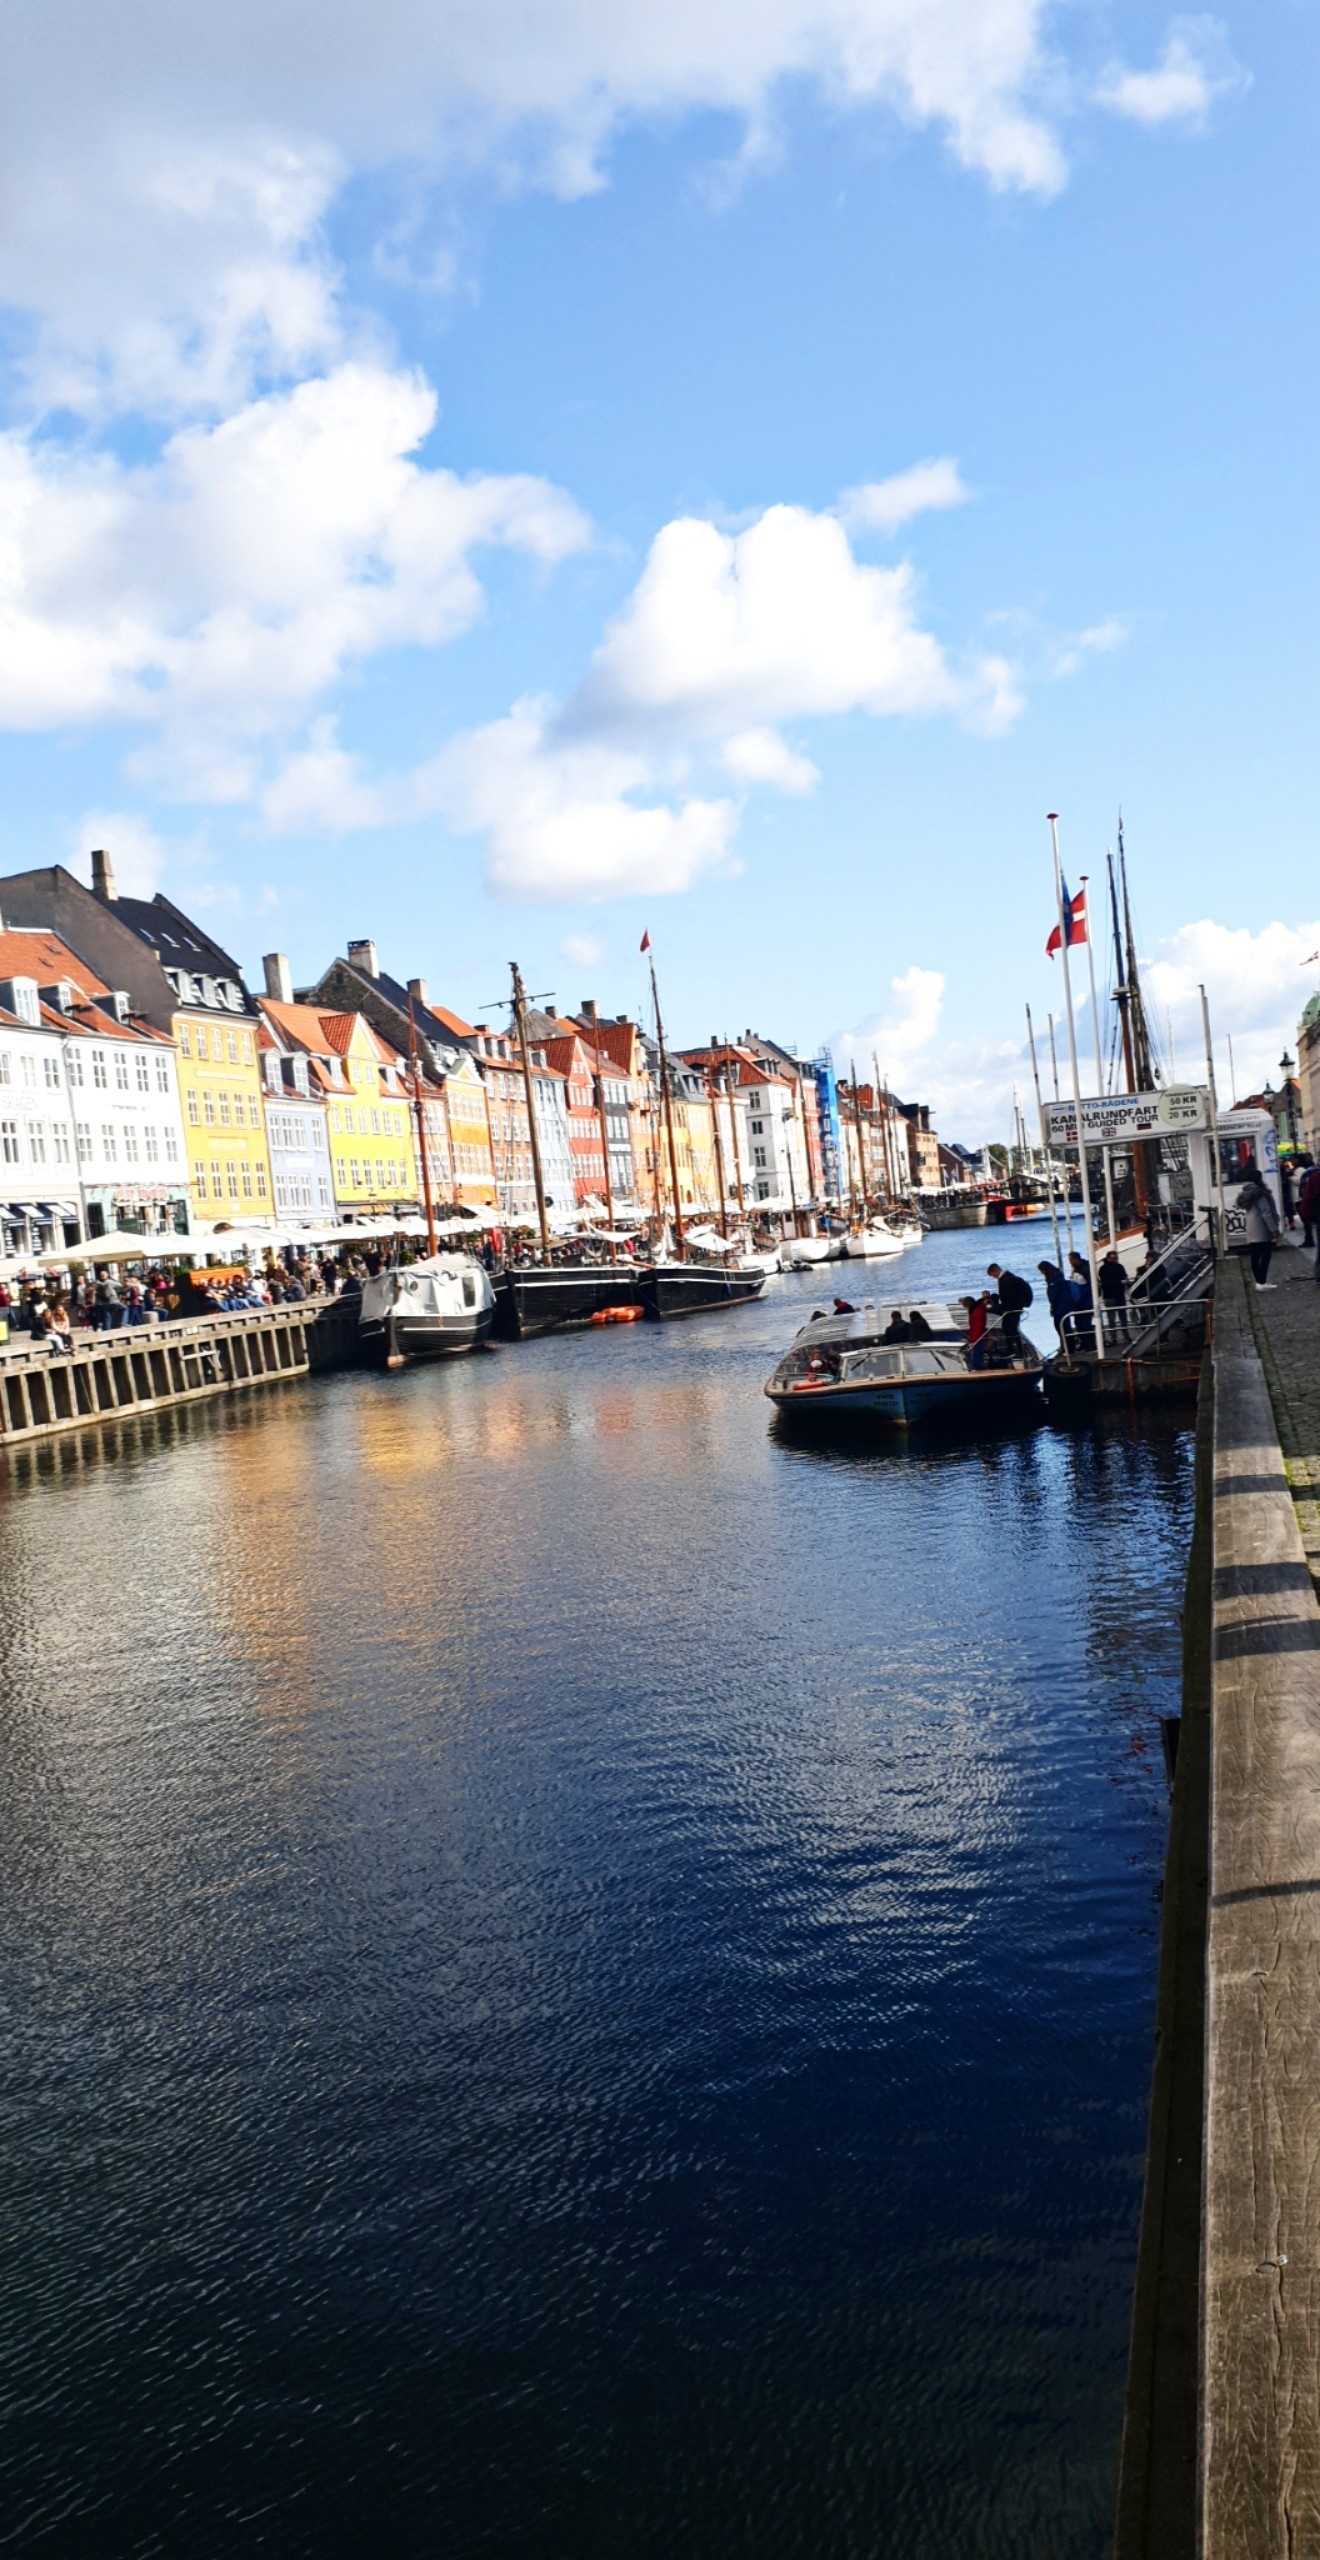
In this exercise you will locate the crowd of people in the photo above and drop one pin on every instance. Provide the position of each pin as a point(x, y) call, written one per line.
point(55, 1309)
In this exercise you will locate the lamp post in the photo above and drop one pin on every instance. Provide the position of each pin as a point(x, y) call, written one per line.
point(787, 1118)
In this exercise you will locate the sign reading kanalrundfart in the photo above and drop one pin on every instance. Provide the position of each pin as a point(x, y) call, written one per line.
point(1116, 1119)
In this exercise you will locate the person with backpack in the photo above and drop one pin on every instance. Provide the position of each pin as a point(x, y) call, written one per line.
point(1015, 1296)
point(1262, 1227)
point(1308, 1202)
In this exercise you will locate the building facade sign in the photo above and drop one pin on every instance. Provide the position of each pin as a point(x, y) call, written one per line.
point(1118, 1119)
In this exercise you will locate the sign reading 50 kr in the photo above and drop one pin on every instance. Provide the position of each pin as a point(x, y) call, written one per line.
point(1114, 1120)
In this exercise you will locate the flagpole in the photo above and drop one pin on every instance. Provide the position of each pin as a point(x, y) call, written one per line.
point(1099, 1072)
point(1087, 1219)
point(1216, 1165)
point(1067, 1186)
point(1049, 1151)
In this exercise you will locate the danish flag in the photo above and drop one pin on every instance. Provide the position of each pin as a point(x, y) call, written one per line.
point(1074, 917)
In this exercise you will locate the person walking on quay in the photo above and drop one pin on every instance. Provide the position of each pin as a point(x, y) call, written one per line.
point(1308, 1202)
point(1015, 1295)
point(1060, 1297)
point(1262, 1228)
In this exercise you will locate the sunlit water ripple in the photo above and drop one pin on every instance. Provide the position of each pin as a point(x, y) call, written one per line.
point(577, 1978)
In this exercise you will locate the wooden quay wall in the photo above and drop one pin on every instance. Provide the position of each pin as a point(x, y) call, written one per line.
point(147, 1368)
point(1221, 2454)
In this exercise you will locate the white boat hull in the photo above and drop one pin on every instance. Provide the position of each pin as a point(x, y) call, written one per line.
point(801, 1253)
point(874, 1244)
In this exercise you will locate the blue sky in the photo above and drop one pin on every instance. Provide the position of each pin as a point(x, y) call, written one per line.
point(460, 484)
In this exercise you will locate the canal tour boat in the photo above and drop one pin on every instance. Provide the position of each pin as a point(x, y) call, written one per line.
point(428, 1310)
point(841, 1369)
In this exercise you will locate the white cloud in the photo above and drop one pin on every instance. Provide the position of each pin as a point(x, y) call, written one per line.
point(583, 949)
point(881, 506)
point(162, 190)
point(895, 1037)
point(726, 633)
point(1196, 67)
point(1100, 639)
point(723, 636)
point(215, 595)
point(1256, 986)
point(761, 755)
point(573, 819)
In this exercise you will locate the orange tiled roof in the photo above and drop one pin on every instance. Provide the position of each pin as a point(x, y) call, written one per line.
point(43, 956)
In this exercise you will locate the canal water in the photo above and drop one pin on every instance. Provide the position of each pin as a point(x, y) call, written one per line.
point(576, 1979)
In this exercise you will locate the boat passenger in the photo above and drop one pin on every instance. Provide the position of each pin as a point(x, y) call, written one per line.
point(1014, 1295)
point(897, 1329)
point(844, 1307)
point(978, 1317)
point(918, 1329)
point(1059, 1293)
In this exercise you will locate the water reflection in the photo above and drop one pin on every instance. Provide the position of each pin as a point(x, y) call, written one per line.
point(577, 1979)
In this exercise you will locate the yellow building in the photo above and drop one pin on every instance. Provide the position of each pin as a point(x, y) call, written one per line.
point(214, 1028)
point(469, 1135)
point(369, 1113)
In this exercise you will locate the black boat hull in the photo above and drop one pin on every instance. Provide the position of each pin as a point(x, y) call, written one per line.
point(546, 1300)
point(695, 1289)
point(425, 1337)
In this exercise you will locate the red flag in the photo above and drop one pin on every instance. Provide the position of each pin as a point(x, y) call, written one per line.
point(645, 943)
point(1074, 916)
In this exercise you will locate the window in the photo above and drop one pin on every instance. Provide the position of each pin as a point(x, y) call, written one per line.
point(217, 1181)
point(203, 1050)
point(232, 1171)
point(233, 1047)
point(51, 1068)
point(380, 1174)
point(758, 1156)
point(151, 1146)
point(73, 1068)
point(355, 1173)
point(247, 1181)
point(200, 1180)
point(334, 1117)
point(208, 1106)
point(162, 1075)
point(375, 1124)
point(84, 1142)
point(758, 1128)
point(108, 1142)
point(99, 1077)
point(224, 1110)
point(142, 1069)
point(254, 1109)
point(194, 1109)
point(121, 1071)
point(261, 1182)
point(6, 1067)
point(63, 1151)
point(8, 1141)
point(29, 1071)
point(171, 1147)
point(130, 1146)
point(185, 1041)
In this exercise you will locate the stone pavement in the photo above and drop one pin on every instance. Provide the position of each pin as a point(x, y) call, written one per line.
point(1286, 1321)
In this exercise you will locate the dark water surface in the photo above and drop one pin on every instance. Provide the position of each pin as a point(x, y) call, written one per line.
point(577, 1979)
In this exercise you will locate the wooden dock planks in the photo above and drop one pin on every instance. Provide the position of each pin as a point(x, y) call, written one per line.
point(149, 1367)
point(1260, 2417)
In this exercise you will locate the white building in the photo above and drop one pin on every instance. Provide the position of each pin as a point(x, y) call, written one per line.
point(779, 1178)
point(91, 1134)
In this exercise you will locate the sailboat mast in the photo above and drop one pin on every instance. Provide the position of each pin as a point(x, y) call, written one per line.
point(520, 1025)
point(719, 1153)
point(421, 1128)
point(733, 1132)
point(667, 1105)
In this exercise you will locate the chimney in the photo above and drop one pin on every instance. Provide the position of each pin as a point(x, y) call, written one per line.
point(362, 956)
point(103, 878)
point(588, 1010)
point(279, 982)
point(417, 990)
